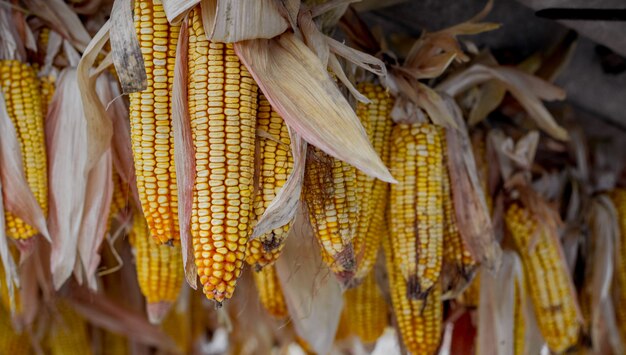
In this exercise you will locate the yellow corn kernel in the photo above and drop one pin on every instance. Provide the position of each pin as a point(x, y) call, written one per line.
point(551, 287)
point(151, 125)
point(275, 163)
point(372, 193)
point(223, 126)
point(330, 194)
point(20, 88)
point(416, 208)
point(68, 333)
point(270, 292)
point(419, 321)
point(12, 342)
point(159, 268)
point(177, 325)
point(120, 198)
point(619, 295)
point(365, 310)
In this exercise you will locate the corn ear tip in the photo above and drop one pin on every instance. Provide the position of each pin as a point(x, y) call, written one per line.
point(157, 311)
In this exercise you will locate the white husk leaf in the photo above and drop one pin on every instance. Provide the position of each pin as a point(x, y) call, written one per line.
point(176, 9)
point(125, 48)
point(62, 19)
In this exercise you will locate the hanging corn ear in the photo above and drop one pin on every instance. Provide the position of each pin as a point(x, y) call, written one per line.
point(151, 126)
point(619, 200)
point(372, 192)
point(47, 85)
point(223, 114)
point(457, 259)
point(419, 321)
point(12, 342)
point(177, 325)
point(330, 193)
point(270, 292)
point(416, 209)
point(158, 268)
point(20, 88)
point(68, 333)
point(365, 310)
point(275, 164)
point(549, 283)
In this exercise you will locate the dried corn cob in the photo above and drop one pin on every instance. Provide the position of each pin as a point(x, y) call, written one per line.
point(20, 88)
point(12, 342)
point(365, 310)
point(151, 126)
point(619, 200)
point(276, 163)
point(223, 127)
point(159, 271)
point(331, 196)
point(68, 333)
point(550, 285)
point(372, 192)
point(270, 292)
point(416, 209)
point(419, 321)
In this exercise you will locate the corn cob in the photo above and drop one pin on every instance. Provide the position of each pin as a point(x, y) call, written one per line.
point(416, 209)
point(177, 325)
point(223, 127)
point(47, 85)
point(119, 200)
point(455, 251)
point(372, 192)
point(12, 342)
point(68, 333)
point(270, 292)
point(158, 267)
point(619, 200)
point(365, 310)
point(330, 192)
point(276, 163)
point(550, 285)
point(419, 321)
point(151, 126)
point(20, 88)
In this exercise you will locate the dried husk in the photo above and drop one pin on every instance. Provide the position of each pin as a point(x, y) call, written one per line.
point(11, 278)
point(10, 46)
point(127, 56)
point(62, 19)
point(175, 10)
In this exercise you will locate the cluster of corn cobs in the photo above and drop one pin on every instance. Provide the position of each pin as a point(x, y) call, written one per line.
point(395, 249)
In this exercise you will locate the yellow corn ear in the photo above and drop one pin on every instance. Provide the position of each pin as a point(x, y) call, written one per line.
point(330, 193)
point(223, 126)
point(177, 325)
point(365, 310)
point(372, 193)
point(68, 333)
point(159, 269)
point(151, 125)
point(275, 164)
point(548, 280)
point(416, 209)
point(12, 342)
point(618, 197)
point(419, 321)
point(120, 198)
point(22, 96)
point(270, 292)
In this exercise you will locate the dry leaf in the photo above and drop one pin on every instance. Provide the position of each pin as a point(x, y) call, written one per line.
point(175, 10)
point(61, 19)
point(9, 46)
point(127, 56)
point(11, 279)
point(490, 96)
point(302, 92)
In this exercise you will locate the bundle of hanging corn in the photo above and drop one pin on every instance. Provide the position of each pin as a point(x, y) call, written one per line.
point(328, 198)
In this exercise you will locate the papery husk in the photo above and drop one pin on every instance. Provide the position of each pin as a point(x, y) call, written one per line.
point(175, 10)
point(10, 46)
point(125, 49)
point(496, 306)
point(300, 89)
point(473, 217)
point(490, 96)
point(605, 237)
point(184, 155)
point(62, 19)
point(18, 197)
point(11, 278)
point(312, 294)
point(230, 21)
point(527, 89)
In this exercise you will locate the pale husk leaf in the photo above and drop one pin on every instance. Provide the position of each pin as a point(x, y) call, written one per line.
point(176, 9)
point(184, 155)
point(18, 197)
point(473, 218)
point(300, 89)
point(284, 206)
point(490, 97)
point(61, 19)
point(54, 46)
point(312, 294)
point(11, 279)
point(9, 46)
point(232, 21)
point(127, 56)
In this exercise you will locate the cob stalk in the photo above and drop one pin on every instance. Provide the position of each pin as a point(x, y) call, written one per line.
point(151, 126)
point(223, 114)
point(365, 310)
point(549, 283)
point(416, 209)
point(270, 292)
point(20, 88)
